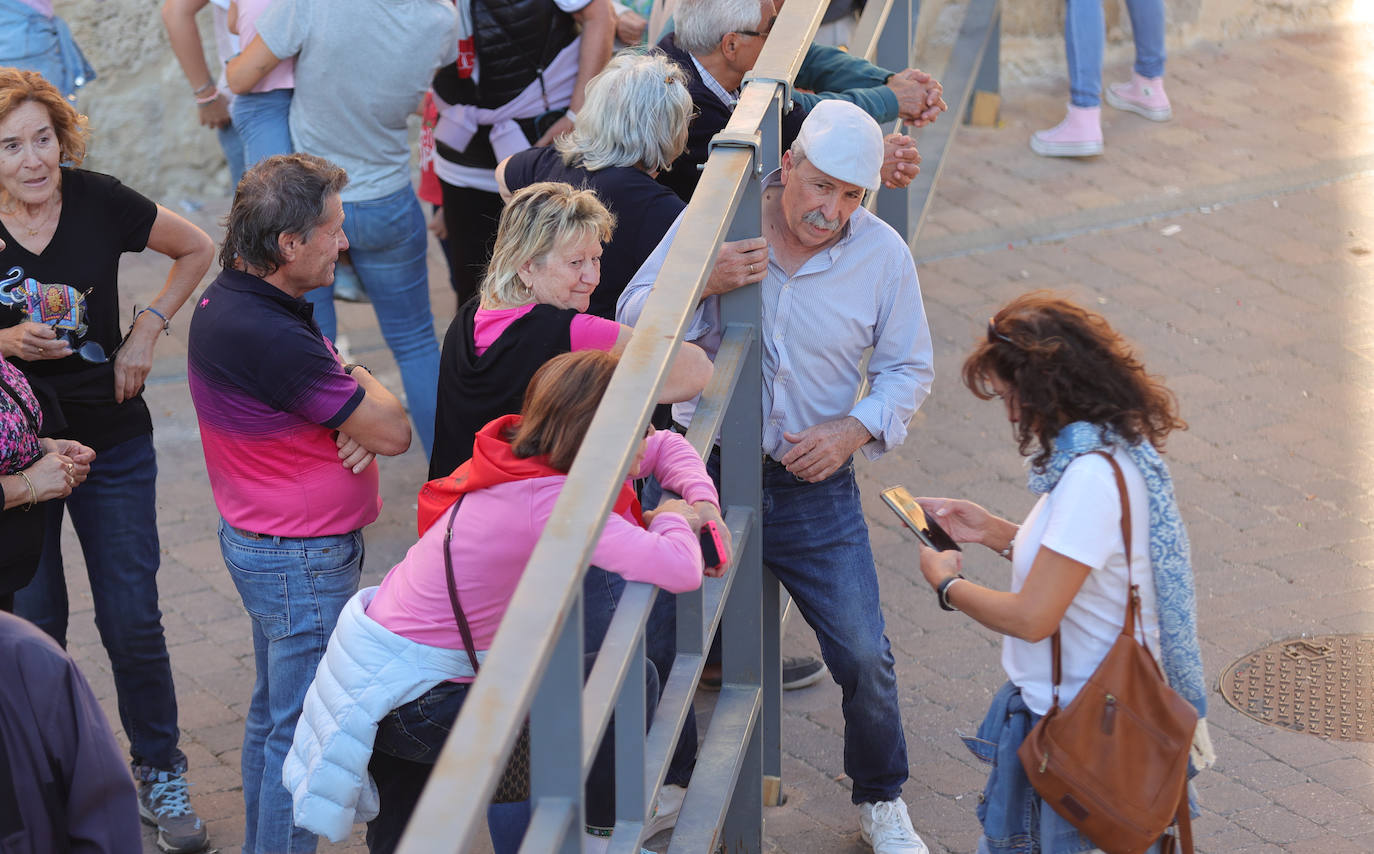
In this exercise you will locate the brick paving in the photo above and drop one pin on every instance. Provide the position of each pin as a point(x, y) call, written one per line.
point(1256, 309)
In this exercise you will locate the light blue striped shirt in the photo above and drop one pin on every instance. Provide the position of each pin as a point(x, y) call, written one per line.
point(860, 292)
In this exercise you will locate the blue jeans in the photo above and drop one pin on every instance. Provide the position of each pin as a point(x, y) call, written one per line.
point(115, 519)
point(232, 146)
point(261, 118)
point(293, 590)
point(35, 42)
point(411, 737)
point(815, 541)
point(601, 591)
point(1085, 38)
point(388, 243)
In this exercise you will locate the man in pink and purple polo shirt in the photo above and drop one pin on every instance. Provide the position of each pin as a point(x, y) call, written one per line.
point(290, 435)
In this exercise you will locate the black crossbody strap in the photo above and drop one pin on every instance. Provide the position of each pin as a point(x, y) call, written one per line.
point(458, 614)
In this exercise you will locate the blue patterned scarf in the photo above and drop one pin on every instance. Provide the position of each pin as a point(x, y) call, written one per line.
point(1169, 553)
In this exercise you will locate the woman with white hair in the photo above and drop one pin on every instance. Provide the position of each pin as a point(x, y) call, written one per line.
point(632, 126)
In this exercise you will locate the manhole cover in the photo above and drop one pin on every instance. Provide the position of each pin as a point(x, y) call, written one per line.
point(1322, 685)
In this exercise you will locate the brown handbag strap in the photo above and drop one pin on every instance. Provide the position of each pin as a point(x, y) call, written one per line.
point(1132, 598)
point(1184, 817)
point(458, 614)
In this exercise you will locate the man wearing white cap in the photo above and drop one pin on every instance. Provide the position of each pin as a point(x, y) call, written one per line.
point(838, 280)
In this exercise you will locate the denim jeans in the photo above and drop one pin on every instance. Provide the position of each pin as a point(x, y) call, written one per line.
point(232, 146)
point(261, 118)
point(35, 42)
point(388, 242)
point(815, 541)
point(115, 519)
point(601, 591)
point(293, 590)
point(411, 737)
point(1085, 38)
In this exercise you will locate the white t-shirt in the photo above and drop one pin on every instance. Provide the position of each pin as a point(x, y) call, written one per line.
point(1081, 519)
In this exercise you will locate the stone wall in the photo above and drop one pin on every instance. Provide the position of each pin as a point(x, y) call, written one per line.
point(144, 119)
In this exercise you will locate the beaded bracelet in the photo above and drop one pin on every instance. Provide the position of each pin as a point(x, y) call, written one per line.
point(209, 84)
point(203, 100)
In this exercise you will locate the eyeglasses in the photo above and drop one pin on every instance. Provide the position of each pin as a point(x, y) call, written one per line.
point(756, 33)
point(994, 336)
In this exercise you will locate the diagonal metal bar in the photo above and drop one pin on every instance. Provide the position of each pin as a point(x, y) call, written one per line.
point(959, 79)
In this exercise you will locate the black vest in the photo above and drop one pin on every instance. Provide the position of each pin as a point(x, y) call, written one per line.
point(515, 41)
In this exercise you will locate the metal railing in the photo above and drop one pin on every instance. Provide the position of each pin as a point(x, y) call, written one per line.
point(535, 666)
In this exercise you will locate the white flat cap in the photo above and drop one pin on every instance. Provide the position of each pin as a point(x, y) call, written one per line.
point(844, 142)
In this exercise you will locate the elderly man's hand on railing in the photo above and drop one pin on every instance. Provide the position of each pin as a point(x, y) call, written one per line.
point(739, 263)
point(901, 161)
point(920, 97)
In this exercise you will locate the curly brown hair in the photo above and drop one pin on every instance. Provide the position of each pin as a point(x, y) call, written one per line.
point(1061, 364)
point(72, 129)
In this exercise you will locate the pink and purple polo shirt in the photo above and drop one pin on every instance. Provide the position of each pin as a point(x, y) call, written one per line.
point(269, 395)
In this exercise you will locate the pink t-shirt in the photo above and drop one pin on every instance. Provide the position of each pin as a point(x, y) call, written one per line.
point(587, 331)
point(495, 532)
point(283, 76)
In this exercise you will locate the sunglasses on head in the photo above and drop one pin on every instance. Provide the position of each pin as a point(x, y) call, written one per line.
point(994, 336)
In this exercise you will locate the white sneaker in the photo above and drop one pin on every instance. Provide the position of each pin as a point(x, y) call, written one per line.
point(666, 808)
point(887, 827)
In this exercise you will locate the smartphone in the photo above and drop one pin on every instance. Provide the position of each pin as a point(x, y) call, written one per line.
point(712, 545)
point(926, 529)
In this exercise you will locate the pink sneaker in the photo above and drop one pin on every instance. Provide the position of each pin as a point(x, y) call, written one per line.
point(1143, 96)
point(1079, 135)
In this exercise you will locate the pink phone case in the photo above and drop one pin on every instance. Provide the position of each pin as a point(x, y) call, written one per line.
point(712, 546)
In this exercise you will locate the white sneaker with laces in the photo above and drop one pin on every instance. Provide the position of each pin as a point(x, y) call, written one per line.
point(887, 827)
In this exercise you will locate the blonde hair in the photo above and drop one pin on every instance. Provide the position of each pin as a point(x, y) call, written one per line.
point(73, 129)
point(636, 114)
point(538, 219)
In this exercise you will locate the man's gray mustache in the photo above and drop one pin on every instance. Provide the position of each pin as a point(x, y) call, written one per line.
point(818, 219)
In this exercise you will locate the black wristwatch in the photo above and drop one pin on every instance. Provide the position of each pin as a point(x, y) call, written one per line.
point(942, 592)
point(348, 368)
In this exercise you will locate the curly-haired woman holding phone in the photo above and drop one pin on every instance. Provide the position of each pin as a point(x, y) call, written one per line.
point(1071, 387)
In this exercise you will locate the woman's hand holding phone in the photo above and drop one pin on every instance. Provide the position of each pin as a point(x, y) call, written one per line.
point(965, 521)
point(937, 566)
point(713, 528)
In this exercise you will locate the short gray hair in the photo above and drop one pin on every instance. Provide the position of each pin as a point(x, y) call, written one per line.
point(285, 194)
point(635, 114)
point(701, 24)
point(538, 219)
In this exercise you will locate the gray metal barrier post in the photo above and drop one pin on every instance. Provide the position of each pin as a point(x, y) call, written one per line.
point(894, 53)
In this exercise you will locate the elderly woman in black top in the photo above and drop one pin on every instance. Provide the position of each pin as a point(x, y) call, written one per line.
point(632, 126)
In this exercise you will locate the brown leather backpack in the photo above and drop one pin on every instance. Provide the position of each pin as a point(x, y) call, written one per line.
point(1114, 762)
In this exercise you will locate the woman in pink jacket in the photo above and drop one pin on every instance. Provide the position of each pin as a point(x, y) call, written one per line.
point(507, 492)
